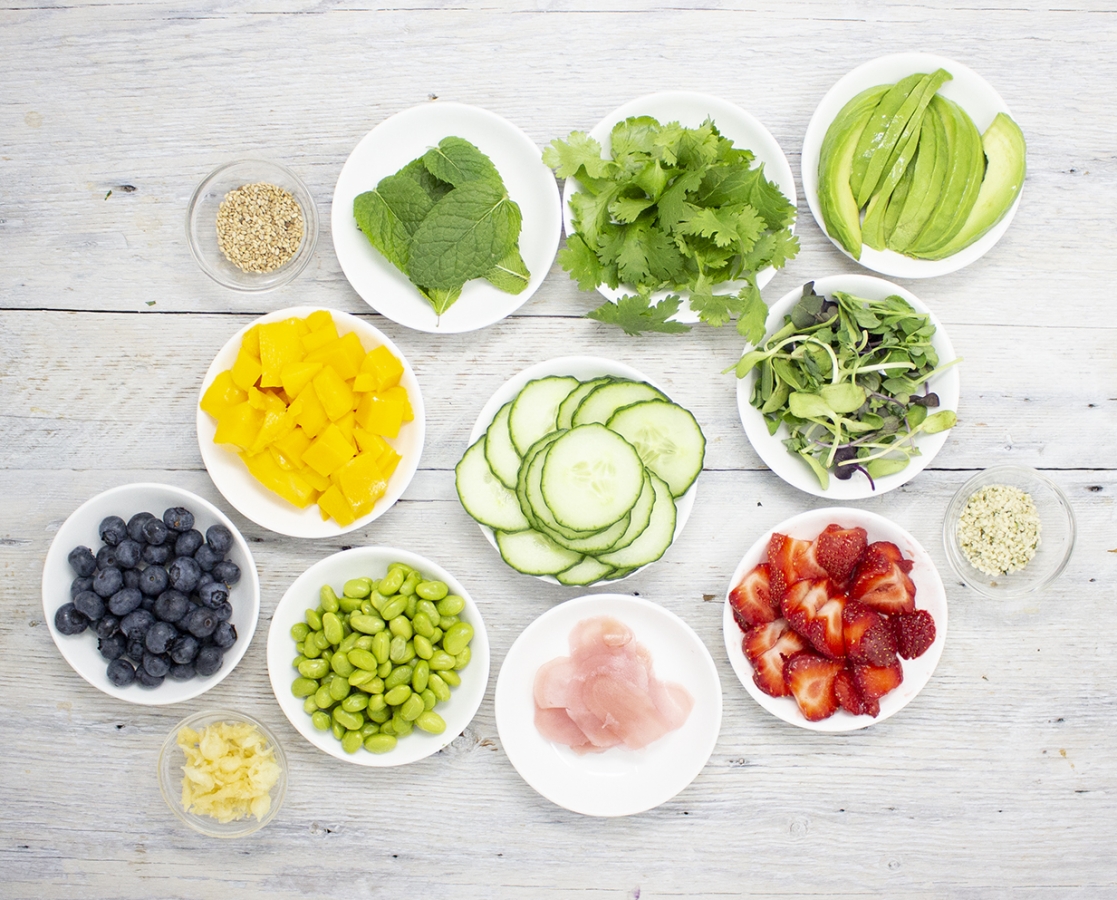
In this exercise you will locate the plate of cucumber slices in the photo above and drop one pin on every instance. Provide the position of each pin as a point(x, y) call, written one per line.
point(581, 470)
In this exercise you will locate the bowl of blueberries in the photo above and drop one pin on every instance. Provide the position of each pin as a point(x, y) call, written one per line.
point(150, 593)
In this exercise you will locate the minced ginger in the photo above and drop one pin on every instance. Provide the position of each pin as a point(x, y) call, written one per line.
point(229, 772)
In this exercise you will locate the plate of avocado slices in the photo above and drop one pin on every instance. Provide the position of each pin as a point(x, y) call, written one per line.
point(913, 165)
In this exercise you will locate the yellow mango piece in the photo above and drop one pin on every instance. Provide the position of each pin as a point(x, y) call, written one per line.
point(279, 345)
point(388, 460)
point(367, 442)
point(222, 393)
point(383, 366)
point(278, 423)
point(290, 485)
point(362, 482)
point(292, 446)
point(320, 318)
point(335, 394)
point(250, 343)
point(309, 412)
point(328, 451)
point(343, 355)
point(364, 383)
point(239, 425)
point(246, 369)
point(322, 330)
point(348, 424)
point(316, 481)
point(400, 393)
point(334, 506)
point(380, 413)
point(297, 375)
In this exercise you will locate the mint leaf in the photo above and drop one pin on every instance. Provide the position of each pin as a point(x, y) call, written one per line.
point(433, 187)
point(389, 215)
point(636, 314)
point(510, 274)
point(441, 299)
point(464, 235)
point(456, 161)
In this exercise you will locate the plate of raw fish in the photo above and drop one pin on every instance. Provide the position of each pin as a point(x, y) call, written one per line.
point(608, 705)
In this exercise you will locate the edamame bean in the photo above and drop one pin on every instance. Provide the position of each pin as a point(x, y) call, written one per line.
point(298, 659)
point(369, 729)
point(355, 702)
point(421, 676)
point(409, 584)
point(321, 720)
point(313, 620)
point(381, 646)
point(339, 688)
point(423, 648)
point(339, 662)
point(428, 609)
point(310, 648)
point(349, 642)
point(322, 698)
point(362, 677)
point(446, 621)
point(399, 675)
point(352, 741)
point(441, 660)
point(366, 624)
point(299, 631)
point(380, 715)
point(376, 703)
point(362, 659)
point(457, 637)
point(411, 708)
point(429, 699)
point(328, 599)
point(397, 695)
point(376, 600)
point(393, 607)
point(391, 582)
point(304, 687)
point(320, 639)
point(363, 642)
point(451, 677)
point(463, 658)
point(438, 686)
point(331, 628)
point(309, 706)
point(450, 605)
point(400, 626)
point(401, 726)
point(313, 668)
point(351, 721)
point(430, 722)
point(384, 669)
point(422, 625)
point(338, 730)
point(437, 636)
point(431, 590)
point(376, 686)
point(397, 652)
point(358, 587)
point(351, 604)
point(380, 743)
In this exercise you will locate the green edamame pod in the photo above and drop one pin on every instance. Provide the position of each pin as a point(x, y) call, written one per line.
point(411, 708)
point(450, 605)
point(313, 620)
point(328, 599)
point(313, 668)
point(304, 687)
point(380, 743)
point(431, 590)
point(299, 631)
point(430, 722)
point(358, 587)
point(457, 638)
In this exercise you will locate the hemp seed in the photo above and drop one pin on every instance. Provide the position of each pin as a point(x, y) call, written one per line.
point(259, 227)
point(999, 528)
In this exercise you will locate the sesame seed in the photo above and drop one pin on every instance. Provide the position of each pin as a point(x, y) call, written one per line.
point(259, 227)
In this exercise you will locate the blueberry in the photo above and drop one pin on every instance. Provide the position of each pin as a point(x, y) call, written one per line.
point(180, 624)
point(153, 580)
point(225, 635)
point(90, 605)
point(219, 538)
point(205, 578)
point(136, 623)
point(159, 637)
point(132, 578)
point(124, 601)
point(112, 530)
point(79, 584)
point(184, 573)
point(171, 605)
point(69, 621)
point(182, 671)
point(223, 611)
point(107, 582)
point(154, 531)
point(188, 542)
point(207, 558)
point(83, 561)
point(185, 649)
point(178, 518)
point(209, 660)
point(156, 555)
point(113, 646)
point(106, 557)
point(227, 572)
point(148, 603)
point(201, 622)
point(213, 593)
point(136, 526)
point(156, 665)
point(128, 554)
point(106, 625)
point(121, 673)
point(135, 651)
point(147, 679)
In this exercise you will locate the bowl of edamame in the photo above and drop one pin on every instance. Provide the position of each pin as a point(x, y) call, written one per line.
point(378, 656)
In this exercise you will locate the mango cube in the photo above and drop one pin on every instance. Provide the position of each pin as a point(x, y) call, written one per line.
point(279, 345)
point(221, 394)
point(362, 483)
point(310, 414)
point(334, 505)
point(384, 368)
point(297, 375)
point(239, 426)
point(335, 394)
point(381, 413)
point(329, 451)
point(290, 485)
point(246, 369)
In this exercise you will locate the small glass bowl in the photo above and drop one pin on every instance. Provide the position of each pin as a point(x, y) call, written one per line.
point(172, 759)
point(201, 224)
point(1056, 537)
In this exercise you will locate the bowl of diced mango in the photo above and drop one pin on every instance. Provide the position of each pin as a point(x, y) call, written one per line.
point(310, 422)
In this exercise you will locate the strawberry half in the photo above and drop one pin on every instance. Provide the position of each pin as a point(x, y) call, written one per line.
point(751, 600)
point(848, 697)
point(881, 580)
point(790, 560)
point(839, 550)
point(873, 682)
point(811, 678)
point(915, 632)
point(814, 609)
point(768, 648)
point(869, 636)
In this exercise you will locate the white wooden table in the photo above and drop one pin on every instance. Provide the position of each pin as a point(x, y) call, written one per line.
point(999, 780)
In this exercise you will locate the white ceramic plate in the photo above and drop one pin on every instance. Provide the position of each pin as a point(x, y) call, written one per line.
point(80, 529)
point(792, 469)
point(583, 368)
point(691, 110)
point(968, 89)
point(929, 595)
point(618, 782)
point(393, 144)
point(269, 510)
point(373, 562)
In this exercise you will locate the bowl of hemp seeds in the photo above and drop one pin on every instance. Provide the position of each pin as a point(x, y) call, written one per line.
point(1009, 531)
point(252, 225)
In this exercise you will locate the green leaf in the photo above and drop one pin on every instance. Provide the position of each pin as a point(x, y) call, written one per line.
point(389, 216)
point(582, 263)
point(456, 161)
point(713, 309)
point(510, 274)
point(749, 361)
point(882, 466)
point(752, 316)
point(636, 314)
point(441, 299)
point(809, 406)
point(939, 421)
point(433, 187)
point(578, 151)
point(843, 397)
point(633, 138)
point(818, 468)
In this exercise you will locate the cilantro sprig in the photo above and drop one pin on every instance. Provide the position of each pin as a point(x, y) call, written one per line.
point(673, 209)
point(848, 377)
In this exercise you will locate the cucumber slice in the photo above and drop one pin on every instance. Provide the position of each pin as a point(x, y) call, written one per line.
point(535, 409)
point(482, 494)
point(525, 468)
point(591, 478)
point(575, 397)
point(586, 572)
point(657, 537)
point(533, 553)
point(638, 518)
point(668, 439)
point(500, 453)
point(605, 400)
point(543, 520)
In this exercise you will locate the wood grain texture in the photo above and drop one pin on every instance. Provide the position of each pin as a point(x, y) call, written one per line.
point(997, 781)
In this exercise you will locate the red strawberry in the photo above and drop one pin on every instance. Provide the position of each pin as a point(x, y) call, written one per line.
point(915, 632)
point(767, 648)
point(869, 636)
point(814, 609)
point(848, 697)
point(839, 550)
point(790, 560)
point(873, 682)
point(751, 600)
point(881, 580)
point(810, 679)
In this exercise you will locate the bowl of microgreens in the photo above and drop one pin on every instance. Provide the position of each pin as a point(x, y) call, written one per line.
point(853, 390)
point(678, 208)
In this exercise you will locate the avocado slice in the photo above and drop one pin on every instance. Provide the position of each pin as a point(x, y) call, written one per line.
point(1005, 151)
point(840, 212)
point(876, 133)
point(899, 198)
point(965, 170)
point(929, 172)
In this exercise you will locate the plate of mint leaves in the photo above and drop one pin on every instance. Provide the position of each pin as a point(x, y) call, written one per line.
point(445, 218)
point(678, 208)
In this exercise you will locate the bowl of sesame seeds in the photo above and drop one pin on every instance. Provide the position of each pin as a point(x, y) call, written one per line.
point(252, 225)
point(1009, 531)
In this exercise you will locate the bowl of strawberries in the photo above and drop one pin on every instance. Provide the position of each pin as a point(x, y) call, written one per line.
point(835, 619)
